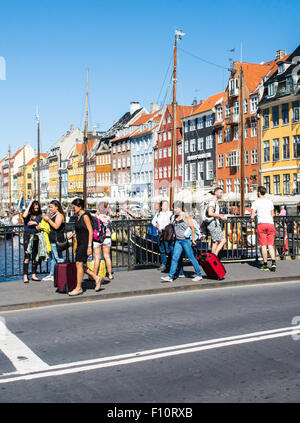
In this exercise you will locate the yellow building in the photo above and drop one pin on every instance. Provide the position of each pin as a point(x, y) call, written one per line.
point(53, 176)
point(27, 178)
point(76, 169)
point(280, 130)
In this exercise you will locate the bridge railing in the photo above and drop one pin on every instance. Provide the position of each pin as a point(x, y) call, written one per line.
point(135, 244)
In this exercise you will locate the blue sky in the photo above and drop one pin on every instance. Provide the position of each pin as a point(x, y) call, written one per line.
point(127, 45)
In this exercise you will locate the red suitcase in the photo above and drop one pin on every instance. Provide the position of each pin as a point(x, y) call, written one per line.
point(65, 277)
point(212, 266)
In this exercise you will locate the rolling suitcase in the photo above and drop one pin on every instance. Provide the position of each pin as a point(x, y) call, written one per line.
point(65, 277)
point(212, 266)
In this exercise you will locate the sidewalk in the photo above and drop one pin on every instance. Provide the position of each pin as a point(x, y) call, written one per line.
point(16, 295)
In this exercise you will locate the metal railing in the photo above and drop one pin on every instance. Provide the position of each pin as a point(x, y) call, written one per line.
point(135, 244)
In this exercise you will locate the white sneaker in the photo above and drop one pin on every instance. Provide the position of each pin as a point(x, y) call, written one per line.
point(197, 279)
point(181, 276)
point(166, 279)
point(48, 278)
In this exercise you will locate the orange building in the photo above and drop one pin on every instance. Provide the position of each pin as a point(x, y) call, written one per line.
point(228, 130)
point(103, 171)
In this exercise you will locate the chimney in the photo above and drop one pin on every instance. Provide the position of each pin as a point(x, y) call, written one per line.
point(134, 105)
point(194, 103)
point(154, 107)
point(280, 54)
point(201, 101)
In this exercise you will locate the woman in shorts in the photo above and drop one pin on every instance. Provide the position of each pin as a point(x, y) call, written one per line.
point(103, 215)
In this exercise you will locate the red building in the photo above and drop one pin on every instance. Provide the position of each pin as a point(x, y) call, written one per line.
point(163, 148)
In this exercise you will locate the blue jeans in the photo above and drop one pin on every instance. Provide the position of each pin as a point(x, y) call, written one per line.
point(55, 257)
point(180, 261)
point(186, 246)
point(164, 249)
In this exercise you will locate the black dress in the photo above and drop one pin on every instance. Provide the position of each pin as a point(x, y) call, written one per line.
point(82, 236)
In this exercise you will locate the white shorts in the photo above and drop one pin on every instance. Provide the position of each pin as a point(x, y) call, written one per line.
point(106, 243)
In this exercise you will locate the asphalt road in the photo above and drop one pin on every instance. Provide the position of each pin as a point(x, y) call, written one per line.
point(222, 345)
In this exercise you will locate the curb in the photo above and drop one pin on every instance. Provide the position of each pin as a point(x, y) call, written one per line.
point(135, 293)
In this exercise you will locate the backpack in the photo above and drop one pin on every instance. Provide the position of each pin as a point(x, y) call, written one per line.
point(168, 232)
point(204, 220)
point(98, 228)
point(188, 232)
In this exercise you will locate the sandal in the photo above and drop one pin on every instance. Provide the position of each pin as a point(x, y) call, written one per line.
point(98, 284)
point(75, 292)
point(37, 280)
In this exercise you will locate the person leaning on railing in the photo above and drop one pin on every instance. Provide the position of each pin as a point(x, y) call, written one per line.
point(32, 217)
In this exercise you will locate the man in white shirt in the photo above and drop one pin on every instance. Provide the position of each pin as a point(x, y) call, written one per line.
point(264, 210)
point(160, 221)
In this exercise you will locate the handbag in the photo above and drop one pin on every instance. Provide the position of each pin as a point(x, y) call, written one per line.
point(62, 245)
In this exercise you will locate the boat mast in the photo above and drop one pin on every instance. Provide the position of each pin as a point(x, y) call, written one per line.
point(178, 35)
point(38, 157)
point(85, 139)
point(24, 181)
point(9, 179)
point(242, 145)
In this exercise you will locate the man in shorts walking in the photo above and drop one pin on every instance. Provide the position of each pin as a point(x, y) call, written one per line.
point(213, 222)
point(264, 210)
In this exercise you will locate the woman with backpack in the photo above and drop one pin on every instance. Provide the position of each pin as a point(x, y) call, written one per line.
point(184, 231)
point(84, 236)
point(104, 245)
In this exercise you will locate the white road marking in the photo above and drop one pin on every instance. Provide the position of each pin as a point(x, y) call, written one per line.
point(105, 362)
point(24, 360)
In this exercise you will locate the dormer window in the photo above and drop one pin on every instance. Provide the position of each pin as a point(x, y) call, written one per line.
point(280, 68)
point(271, 89)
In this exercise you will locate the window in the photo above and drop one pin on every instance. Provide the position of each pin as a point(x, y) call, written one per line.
point(201, 171)
point(227, 110)
point(220, 160)
point(246, 127)
point(227, 134)
point(123, 146)
point(246, 157)
point(128, 145)
point(275, 149)
point(164, 136)
point(160, 153)
point(253, 104)
point(233, 158)
point(253, 129)
point(246, 185)
point(285, 148)
point(119, 163)
point(169, 151)
point(266, 151)
point(114, 149)
point(165, 152)
point(246, 105)
point(169, 135)
point(286, 184)
point(192, 125)
point(221, 184)
point(186, 172)
point(155, 154)
point(236, 185)
point(296, 111)
point(266, 119)
point(180, 170)
point(236, 108)
point(179, 149)
point(165, 172)
point(267, 183)
point(119, 148)
point(186, 126)
point(186, 146)
point(114, 164)
point(271, 89)
point(276, 184)
point(209, 142)
point(193, 171)
point(296, 183)
point(200, 123)
point(236, 133)
point(128, 161)
point(209, 120)
point(169, 171)
point(220, 136)
point(254, 156)
point(219, 113)
point(200, 144)
point(160, 172)
point(296, 146)
point(275, 115)
point(285, 114)
point(193, 145)
point(280, 68)
point(209, 170)
point(124, 162)
point(228, 185)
